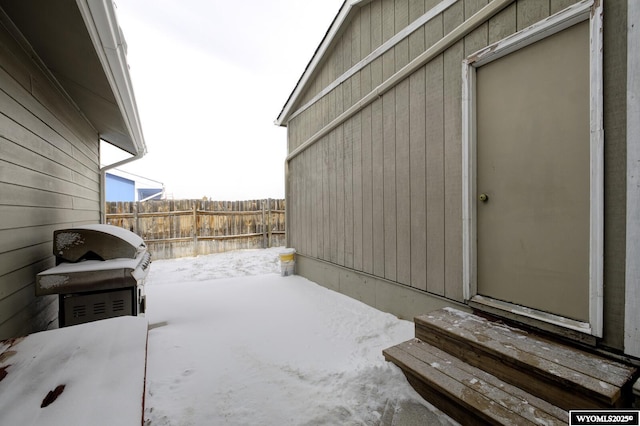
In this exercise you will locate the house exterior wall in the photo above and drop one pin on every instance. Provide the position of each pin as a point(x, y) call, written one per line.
point(379, 194)
point(49, 179)
point(119, 189)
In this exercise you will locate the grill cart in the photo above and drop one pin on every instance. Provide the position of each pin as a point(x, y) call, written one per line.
point(99, 273)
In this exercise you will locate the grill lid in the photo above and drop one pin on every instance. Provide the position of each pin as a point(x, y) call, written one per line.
point(95, 242)
point(93, 275)
point(94, 258)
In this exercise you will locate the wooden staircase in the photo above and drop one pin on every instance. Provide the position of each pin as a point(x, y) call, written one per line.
point(483, 372)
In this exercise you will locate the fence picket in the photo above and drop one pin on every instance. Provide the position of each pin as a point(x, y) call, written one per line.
point(182, 228)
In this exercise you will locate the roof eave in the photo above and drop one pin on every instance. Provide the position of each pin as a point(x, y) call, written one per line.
point(316, 59)
point(102, 25)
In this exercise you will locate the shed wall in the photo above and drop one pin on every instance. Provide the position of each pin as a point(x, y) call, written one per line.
point(380, 194)
point(615, 157)
point(49, 179)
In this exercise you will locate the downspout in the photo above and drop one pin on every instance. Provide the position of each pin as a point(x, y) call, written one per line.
point(102, 24)
point(103, 177)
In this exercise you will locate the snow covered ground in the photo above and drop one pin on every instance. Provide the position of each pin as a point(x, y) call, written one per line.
point(231, 342)
point(88, 374)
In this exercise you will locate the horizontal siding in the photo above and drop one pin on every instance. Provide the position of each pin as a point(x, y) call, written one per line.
point(382, 193)
point(46, 179)
point(45, 99)
point(49, 179)
point(20, 105)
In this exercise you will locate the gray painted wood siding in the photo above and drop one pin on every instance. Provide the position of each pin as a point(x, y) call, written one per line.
point(49, 179)
point(385, 186)
point(615, 155)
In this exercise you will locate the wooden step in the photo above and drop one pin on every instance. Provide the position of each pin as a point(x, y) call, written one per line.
point(466, 393)
point(565, 376)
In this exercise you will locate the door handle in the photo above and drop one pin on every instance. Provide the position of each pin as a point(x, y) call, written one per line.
point(484, 198)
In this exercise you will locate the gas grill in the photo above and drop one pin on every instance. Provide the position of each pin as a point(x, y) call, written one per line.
point(99, 273)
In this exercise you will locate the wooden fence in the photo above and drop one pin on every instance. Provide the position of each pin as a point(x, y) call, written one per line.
point(181, 228)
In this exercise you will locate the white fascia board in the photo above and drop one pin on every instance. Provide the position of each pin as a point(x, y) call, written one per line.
point(100, 18)
point(344, 12)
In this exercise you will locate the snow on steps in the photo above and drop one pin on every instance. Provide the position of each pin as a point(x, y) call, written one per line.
point(568, 377)
point(483, 372)
point(466, 393)
point(89, 374)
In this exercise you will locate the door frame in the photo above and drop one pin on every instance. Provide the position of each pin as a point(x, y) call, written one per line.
point(579, 12)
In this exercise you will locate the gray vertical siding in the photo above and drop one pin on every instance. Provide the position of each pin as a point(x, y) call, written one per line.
point(49, 179)
point(452, 120)
point(615, 157)
point(385, 187)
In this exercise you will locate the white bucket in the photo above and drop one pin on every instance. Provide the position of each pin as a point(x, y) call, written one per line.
point(287, 262)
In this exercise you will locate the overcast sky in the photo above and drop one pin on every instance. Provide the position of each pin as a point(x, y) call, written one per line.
point(210, 77)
